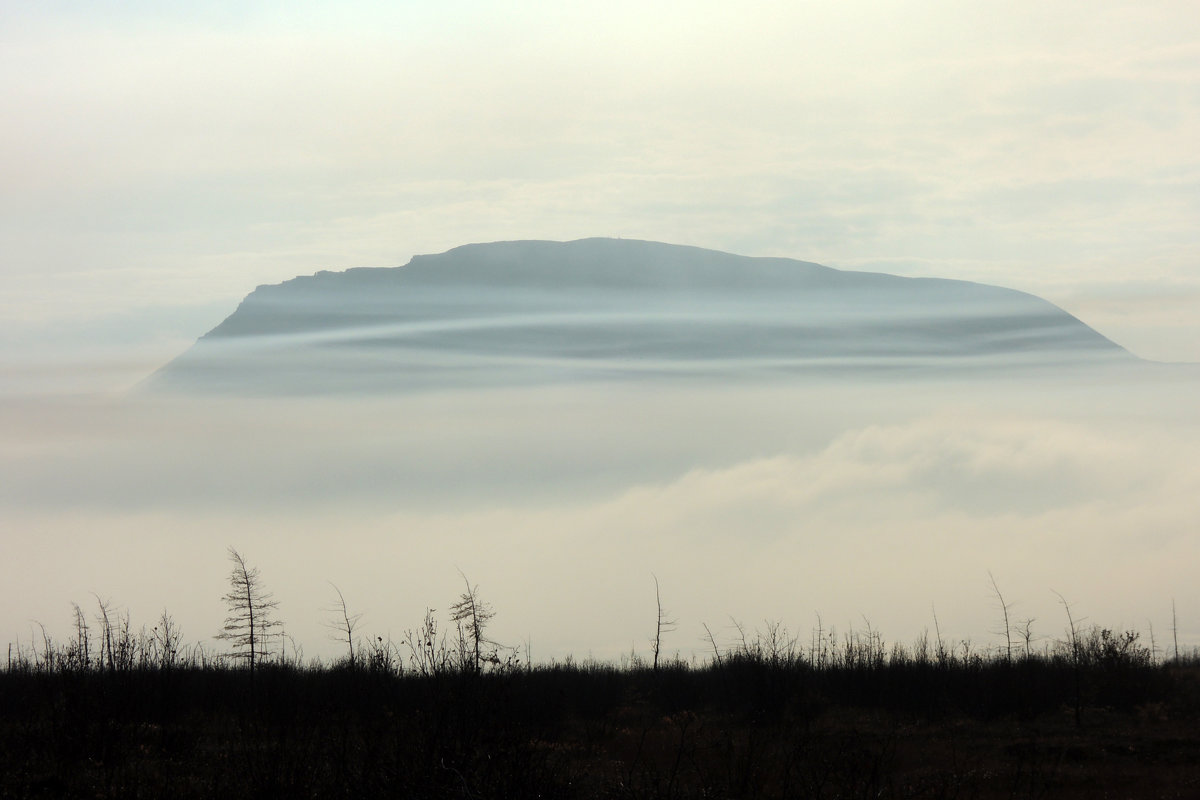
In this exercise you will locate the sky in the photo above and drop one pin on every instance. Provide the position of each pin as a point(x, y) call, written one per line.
point(160, 160)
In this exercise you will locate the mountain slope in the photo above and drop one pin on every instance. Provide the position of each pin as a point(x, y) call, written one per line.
point(534, 310)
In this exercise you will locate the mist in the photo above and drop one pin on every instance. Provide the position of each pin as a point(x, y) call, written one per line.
point(862, 497)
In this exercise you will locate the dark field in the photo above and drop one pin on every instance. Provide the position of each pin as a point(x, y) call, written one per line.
point(1097, 717)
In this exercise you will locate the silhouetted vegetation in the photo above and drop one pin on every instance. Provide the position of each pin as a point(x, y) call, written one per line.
point(249, 623)
point(124, 712)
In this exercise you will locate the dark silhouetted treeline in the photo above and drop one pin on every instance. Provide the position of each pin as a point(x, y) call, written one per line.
point(119, 712)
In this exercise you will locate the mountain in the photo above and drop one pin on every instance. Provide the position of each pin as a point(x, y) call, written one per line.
point(510, 312)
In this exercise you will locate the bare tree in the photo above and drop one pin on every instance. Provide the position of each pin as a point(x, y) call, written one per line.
point(82, 657)
point(1025, 628)
point(472, 616)
point(106, 631)
point(1004, 607)
point(713, 641)
point(343, 624)
point(942, 652)
point(250, 608)
point(663, 624)
point(1175, 629)
point(1076, 657)
point(427, 650)
point(167, 639)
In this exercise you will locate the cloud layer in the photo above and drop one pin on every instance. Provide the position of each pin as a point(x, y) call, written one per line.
point(747, 502)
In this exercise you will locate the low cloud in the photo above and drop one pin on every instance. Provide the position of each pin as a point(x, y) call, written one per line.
point(777, 504)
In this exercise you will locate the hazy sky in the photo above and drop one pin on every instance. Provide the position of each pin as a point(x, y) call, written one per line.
point(159, 160)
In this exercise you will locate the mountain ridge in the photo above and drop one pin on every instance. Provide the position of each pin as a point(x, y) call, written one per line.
point(598, 302)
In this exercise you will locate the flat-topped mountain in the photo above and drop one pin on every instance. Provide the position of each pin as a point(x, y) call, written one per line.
point(538, 310)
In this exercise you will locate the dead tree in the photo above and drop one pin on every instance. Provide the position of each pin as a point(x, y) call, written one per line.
point(663, 624)
point(343, 625)
point(1004, 607)
point(472, 616)
point(250, 612)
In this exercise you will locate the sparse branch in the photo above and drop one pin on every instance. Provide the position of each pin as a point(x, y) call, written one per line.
point(106, 631)
point(1175, 630)
point(1004, 610)
point(1025, 629)
point(83, 656)
point(663, 624)
point(250, 619)
point(937, 629)
point(1072, 628)
point(741, 629)
point(168, 638)
point(472, 616)
point(1075, 659)
point(343, 624)
point(712, 640)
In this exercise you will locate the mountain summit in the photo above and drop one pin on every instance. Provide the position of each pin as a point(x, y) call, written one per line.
point(538, 310)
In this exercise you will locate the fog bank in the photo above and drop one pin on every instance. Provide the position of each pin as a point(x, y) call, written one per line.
point(857, 499)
